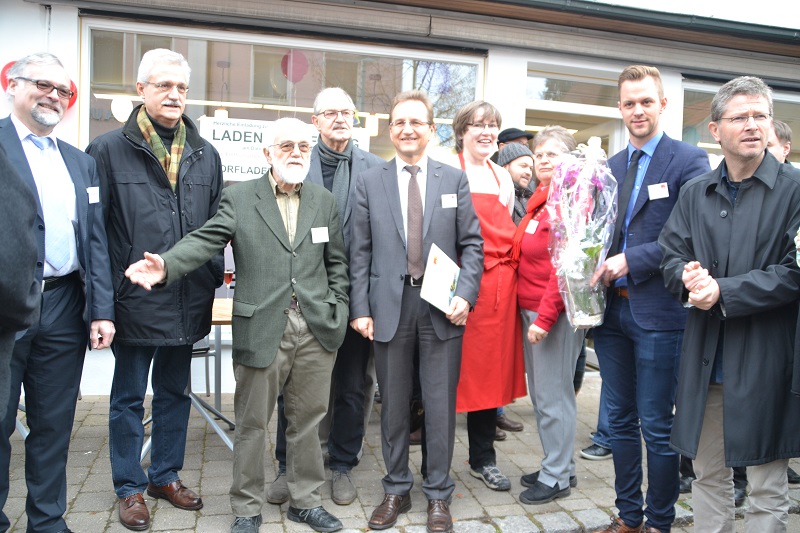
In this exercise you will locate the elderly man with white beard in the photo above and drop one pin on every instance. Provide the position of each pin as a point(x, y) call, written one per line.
point(291, 280)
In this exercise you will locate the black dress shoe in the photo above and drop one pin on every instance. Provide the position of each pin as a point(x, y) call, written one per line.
point(529, 480)
point(739, 496)
point(686, 484)
point(318, 518)
point(794, 477)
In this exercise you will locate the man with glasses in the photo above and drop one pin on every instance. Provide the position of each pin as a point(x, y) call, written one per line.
point(730, 256)
point(72, 271)
point(335, 163)
point(160, 181)
point(638, 345)
point(401, 209)
point(289, 317)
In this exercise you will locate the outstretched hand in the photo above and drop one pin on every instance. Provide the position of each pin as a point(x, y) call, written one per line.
point(147, 272)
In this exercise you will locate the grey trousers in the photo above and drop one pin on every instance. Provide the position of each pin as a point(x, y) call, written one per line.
point(550, 366)
point(712, 491)
point(302, 369)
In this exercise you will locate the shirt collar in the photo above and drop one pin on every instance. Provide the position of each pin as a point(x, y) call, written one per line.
point(422, 164)
point(649, 147)
point(23, 131)
point(274, 186)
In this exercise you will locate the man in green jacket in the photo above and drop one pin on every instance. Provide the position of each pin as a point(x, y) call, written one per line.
point(291, 281)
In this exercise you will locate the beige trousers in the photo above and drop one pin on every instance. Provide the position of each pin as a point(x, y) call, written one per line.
point(302, 369)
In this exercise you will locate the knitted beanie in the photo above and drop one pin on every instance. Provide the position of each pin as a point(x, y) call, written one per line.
point(511, 152)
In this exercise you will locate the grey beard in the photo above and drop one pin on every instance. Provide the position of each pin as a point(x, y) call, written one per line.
point(45, 118)
point(291, 176)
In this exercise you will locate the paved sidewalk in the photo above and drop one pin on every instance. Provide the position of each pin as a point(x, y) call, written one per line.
point(476, 509)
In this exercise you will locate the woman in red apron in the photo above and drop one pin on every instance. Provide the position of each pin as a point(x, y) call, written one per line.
point(492, 367)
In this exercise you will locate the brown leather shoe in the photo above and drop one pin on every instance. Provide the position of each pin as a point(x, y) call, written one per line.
point(506, 424)
point(618, 526)
point(439, 519)
point(133, 513)
point(385, 515)
point(176, 494)
point(499, 434)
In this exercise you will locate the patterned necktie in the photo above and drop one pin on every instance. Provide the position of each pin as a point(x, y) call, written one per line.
point(56, 221)
point(624, 200)
point(414, 238)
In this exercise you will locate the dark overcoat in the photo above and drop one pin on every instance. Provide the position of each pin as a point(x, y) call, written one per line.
point(749, 249)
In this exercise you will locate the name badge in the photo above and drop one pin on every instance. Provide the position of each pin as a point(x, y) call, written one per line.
point(319, 235)
point(449, 201)
point(532, 226)
point(658, 191)
point(94, 194)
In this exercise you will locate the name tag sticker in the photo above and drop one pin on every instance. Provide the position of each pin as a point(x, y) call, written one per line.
point(449, 201)
point(94, 194)
point(658, 191)
point(532, 226)
point(319, 235)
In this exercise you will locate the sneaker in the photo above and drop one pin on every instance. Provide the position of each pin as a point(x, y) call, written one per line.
point(540, 493)
point(529, 480)
point(318, 518)
point(278, 491)
point(596, 452)
point(343, 492)
point(246, 524)
point(492, 477)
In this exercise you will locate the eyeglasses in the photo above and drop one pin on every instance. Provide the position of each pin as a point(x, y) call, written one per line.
point(46, 87)
point(165, 87)
point(331, 114)
point(483, 127)
point(288, 146)
point(549, 155)
point(741, 120)
point(415, 124)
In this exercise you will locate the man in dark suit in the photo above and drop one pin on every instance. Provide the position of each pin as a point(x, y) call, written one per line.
point(335, 163)
point(19, 290)
point(73, 270)
point(291, 280)
point(638, 345)
point(393, 230)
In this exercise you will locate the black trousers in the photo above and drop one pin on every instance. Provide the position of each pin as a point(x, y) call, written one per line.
point(47, 361)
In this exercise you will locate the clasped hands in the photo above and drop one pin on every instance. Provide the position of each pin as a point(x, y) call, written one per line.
point(703, 288)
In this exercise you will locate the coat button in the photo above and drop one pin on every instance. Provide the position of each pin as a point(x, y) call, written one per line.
point(294, 281)
point(39, 263)
point(41, 226)
point(723, 213)
point(714, 263)
point(294, 254)
point(705, 362)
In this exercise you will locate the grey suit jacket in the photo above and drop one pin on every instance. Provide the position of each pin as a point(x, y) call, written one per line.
point(378, 258)
point(269, 269)
point(359, 162)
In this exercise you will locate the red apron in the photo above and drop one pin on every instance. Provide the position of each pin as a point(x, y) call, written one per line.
point(492, 366)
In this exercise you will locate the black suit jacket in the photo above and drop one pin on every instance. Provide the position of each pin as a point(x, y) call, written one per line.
point(92, 246)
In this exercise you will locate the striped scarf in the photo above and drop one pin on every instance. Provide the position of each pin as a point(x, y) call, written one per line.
point(169, 161)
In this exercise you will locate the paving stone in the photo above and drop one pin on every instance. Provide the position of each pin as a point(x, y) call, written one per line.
point(593, 519)
point(516, 524)
point(557, 523)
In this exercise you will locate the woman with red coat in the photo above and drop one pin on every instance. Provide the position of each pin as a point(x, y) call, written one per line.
point(551, 345)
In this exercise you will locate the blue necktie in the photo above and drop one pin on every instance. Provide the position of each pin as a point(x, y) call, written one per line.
point(56, 221)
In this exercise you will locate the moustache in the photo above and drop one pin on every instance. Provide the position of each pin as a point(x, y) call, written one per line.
point(171, 102)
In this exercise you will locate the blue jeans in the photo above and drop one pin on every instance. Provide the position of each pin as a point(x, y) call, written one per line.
point(170, 411)
point(639, 370)
point(602, 436)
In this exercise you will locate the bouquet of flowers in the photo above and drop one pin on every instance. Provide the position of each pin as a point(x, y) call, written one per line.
point(582, 206)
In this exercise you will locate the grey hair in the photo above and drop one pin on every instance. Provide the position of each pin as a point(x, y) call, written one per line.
point(747, 85)
point(157, 56)
point(328, 92)
point(558, 133)
point(19, 69)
